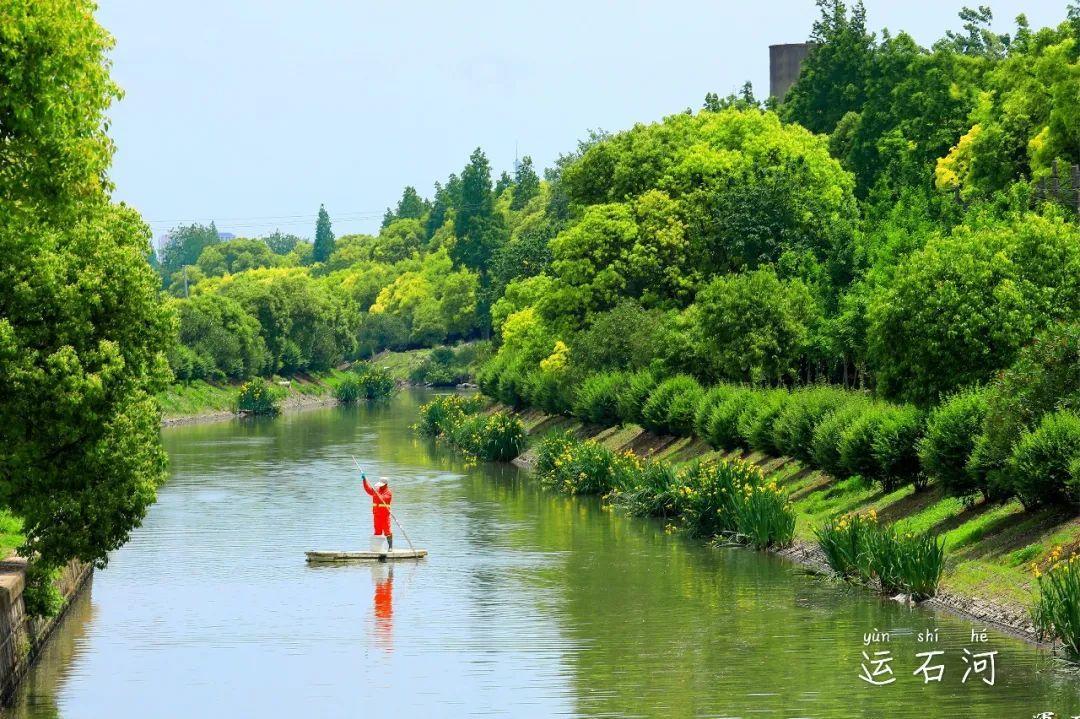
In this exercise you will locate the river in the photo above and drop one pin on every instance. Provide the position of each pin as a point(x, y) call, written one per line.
point(529, 604)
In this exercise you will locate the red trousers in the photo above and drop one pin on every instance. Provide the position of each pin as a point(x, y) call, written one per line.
point(382, 520)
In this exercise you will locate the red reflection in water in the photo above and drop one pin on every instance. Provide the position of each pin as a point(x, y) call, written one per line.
point(383, 575)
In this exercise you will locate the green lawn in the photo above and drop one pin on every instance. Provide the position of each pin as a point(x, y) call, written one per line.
point(11, 535)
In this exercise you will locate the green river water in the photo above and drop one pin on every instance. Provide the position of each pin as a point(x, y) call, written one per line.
point(529, 604)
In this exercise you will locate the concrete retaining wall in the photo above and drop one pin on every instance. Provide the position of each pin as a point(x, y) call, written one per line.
point(22, 637)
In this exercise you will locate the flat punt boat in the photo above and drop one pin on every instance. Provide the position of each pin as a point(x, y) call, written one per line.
point(367, 556)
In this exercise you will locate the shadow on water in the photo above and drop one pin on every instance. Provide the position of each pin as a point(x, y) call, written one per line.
point(528, 605)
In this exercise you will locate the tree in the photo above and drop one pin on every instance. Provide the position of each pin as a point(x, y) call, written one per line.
point(755, 327)
point(223, 340)
point(235, 256)
point(835, 74)
point(503, 184)
point(526, 184)
point(478, 232)
point(184, 246)
point(746, 189)
point(324, 237)
point(83, 330)
point(411, 206)
point(978, 39)
point(961, 308)
point(282, 244)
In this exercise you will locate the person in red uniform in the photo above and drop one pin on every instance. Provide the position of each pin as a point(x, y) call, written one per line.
point(380, 508)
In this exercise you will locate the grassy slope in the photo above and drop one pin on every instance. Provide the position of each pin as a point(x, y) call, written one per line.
point(990, 546)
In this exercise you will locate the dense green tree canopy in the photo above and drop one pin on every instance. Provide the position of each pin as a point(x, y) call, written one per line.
point(83, 331)
point(835, 75)
point(184, 246)
point(964, 305)
point(755, 327)
point(235, 256)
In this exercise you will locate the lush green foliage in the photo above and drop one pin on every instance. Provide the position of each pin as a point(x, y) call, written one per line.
point(41, 597)
point(723, 423)
point(1056, 613)
point(584, 467)
point(715, 499)
point(446, 411)
point(446, 366)
point(857, 547)
point(365, 382)
point(633, 395)
point(951, 432)
point(964, 305)
point(496, 437)
point(257, 396)
point(1045, 378)
point(671, 406)
point(1044, 462)
point(83, 330)
point(597, 398)
point(793, 429)
point(881, 444)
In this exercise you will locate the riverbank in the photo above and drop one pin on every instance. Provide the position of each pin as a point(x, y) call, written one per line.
point(990, 546)
point(22, 636)
point(199, 401)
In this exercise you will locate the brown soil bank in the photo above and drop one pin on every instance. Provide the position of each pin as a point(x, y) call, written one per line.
point(990, 546)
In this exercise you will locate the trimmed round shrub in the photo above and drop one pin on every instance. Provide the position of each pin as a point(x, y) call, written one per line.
point(655, 414)
point(1044, 462)
point(683, 410)
point(550, 391)
point(857, 443)
point(723, 431)
point(951, 431)
point(708, 403)
point(757, 419)
point(1044, 378)
point(500, 378)
point(830, 432)
point(793, 431)
point(634, 394)
point(881, 444)
point(896, 446)
point(597, 398)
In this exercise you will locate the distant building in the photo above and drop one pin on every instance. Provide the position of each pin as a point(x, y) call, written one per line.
point(785, 63)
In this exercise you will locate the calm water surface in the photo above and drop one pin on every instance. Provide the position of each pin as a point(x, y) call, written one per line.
point(529, 605)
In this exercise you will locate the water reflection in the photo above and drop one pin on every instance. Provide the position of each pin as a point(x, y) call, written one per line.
point(382, 576)
point(528, 605)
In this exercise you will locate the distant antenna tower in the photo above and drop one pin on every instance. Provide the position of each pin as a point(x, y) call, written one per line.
point(516, 163)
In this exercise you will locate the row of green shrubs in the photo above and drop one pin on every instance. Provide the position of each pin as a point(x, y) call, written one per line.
point(843, 432)
point(494, 437)
point(365, 382)
point(708, 498)
point(857, 548)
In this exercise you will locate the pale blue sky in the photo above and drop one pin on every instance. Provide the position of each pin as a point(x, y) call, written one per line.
point(252, 112)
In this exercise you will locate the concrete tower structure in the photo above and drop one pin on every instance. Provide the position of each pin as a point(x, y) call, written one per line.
point(785, 62)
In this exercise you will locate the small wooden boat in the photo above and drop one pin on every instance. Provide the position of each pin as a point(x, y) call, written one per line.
point(368, 556)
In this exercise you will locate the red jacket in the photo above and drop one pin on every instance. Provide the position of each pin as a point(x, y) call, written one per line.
point(380, 506)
